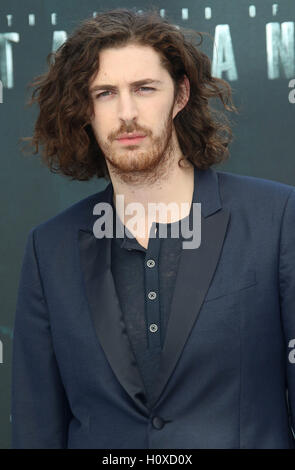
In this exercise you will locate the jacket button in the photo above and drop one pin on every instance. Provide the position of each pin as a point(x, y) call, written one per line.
point(157, 422)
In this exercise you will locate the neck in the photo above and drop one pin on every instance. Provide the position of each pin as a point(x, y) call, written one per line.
point(176, 186)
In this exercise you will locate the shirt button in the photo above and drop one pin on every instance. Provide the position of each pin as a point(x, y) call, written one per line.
point(152, 295)
point(153, 327)
point(157, 422)
point(150, 263)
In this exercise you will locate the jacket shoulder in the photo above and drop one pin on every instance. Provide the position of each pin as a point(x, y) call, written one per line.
point(70, 219)
point(253, 189)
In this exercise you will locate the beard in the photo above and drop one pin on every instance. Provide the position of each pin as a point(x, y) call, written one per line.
point(136, 165)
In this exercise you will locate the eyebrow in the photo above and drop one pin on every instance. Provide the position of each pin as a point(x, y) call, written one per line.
point(112, 87)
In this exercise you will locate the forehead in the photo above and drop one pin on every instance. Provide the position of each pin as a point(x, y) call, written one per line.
point(130, 61)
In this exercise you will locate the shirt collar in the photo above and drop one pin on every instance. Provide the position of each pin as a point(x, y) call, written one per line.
point(129, 241)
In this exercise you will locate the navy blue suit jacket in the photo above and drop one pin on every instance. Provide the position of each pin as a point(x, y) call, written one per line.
point(227, 372)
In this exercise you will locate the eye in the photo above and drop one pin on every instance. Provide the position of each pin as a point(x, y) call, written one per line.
point(102, 94)
point(145, 88)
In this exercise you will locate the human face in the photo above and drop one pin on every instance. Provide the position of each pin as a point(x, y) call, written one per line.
point(122, 107)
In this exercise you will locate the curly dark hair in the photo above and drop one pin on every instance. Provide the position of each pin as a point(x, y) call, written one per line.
point(63, 126)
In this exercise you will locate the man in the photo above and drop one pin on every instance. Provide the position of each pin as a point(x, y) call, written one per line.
point(137, 342)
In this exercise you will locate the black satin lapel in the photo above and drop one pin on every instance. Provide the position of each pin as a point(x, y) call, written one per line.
point(107, 315)
point(196, 269)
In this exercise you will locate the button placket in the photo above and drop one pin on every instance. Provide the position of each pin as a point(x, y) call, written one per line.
point(152, 291)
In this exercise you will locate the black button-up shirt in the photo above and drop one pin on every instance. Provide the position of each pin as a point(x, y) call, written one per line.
point(144, 279)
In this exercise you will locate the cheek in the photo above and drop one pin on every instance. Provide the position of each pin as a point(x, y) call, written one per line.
point(154, 117)
point(100, 124)
point(166, 113)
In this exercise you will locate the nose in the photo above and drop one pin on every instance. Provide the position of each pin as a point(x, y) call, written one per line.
point(127, 108)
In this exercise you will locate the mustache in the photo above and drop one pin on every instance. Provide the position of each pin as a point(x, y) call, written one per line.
point(130, 129)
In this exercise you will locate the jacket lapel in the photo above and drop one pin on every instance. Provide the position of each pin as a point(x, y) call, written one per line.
point(195, 272)
point(106, 314)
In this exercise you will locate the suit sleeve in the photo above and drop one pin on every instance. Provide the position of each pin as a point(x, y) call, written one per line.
point(287, 297)
point(40, 412)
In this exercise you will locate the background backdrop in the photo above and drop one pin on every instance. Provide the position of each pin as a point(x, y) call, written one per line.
point(253, 50)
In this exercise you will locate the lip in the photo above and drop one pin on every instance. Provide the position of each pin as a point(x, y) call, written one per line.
point(131, 140)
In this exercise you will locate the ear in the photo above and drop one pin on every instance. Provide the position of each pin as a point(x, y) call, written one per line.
point(183, 96)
